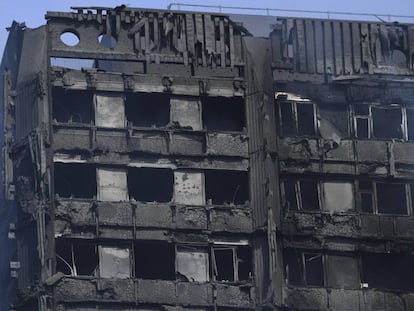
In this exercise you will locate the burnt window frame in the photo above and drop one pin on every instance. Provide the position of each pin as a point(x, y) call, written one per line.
point(298, 192)
point(236, 262)
point(282, 99)
point(370, 120)
point(211, 260)
point(301, 255)
point(409, 197)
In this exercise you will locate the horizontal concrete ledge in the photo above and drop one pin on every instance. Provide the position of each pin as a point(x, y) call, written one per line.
point(71, 289)
point(118, 82)
point(347, 300)
point(163, 141)
point(354, 226)
point(80, 213)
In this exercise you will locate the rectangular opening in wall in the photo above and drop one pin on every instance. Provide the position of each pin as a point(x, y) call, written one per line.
point(338, 196)
point(223, 114)
point(231, 263)
point(226, 187)
point(112, 184)
point(155, 260)
point(244, 261)
point(362, 128)
point(334, 121)
point(76, 257)
point(391, 198)
point(150, 184)
point(290, 199)
point(294, 267)
point(148, 109)
point(114, 262)
point(75, 180)
point(192, 264)
point(362, 118)
point(314, 269)
point(189, 188)
point(309, 194)
point(287, 121)
point(109, 110)
point(388, 271)
point(387, 122)
point(410, 123)
point(366, 193)
point(306, 119)
point(72, 106)
point(186, 112)
point(224, 264)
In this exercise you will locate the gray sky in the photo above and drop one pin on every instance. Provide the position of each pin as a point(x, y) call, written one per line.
point(32, 11)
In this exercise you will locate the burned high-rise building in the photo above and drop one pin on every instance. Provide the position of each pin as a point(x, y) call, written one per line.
point(186, 161)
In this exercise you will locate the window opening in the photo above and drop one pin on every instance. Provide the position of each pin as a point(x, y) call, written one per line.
point(76, 258)
point(223, 114)
point(150, 184)
point(148, 109)
point(309, 194)
point(155, 260)
point(391, 198)
point(226, 187)
point(72, 106)
point(75, 180)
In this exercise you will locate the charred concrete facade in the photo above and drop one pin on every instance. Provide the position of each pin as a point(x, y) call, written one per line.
point(167, 160)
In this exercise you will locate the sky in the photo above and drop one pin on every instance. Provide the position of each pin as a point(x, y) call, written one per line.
point(32, 12)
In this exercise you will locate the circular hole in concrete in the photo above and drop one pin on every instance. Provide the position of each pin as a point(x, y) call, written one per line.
point(107, 41)
point(69, 38)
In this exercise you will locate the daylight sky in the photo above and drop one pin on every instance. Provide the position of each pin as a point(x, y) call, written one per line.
point(32, 11)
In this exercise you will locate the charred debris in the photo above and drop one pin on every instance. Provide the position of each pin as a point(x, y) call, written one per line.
point(167, 160)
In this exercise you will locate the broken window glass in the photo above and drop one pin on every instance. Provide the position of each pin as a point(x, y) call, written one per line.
point(294, 267)
point(109, 110)
point(192, 264)
point(186, 112)
point(75, 180)
point(154, 260)
point(72, 106)
point(224, 264)
point(76, 258)
point(314, 269)
point(306, 120)
point(387, 122)
point(366, 193)
point(112, 184)
point(304, 269)
point(231, 263)
point(391, 198)
point(150, 184)
point(226, 187)
point(223, 114)
point(114, 262)
point(297, 118)
point(309, 194)
point(290, 199)
point(287, 119)
point(189, 188)
point(147, 109)
point(338, 196)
